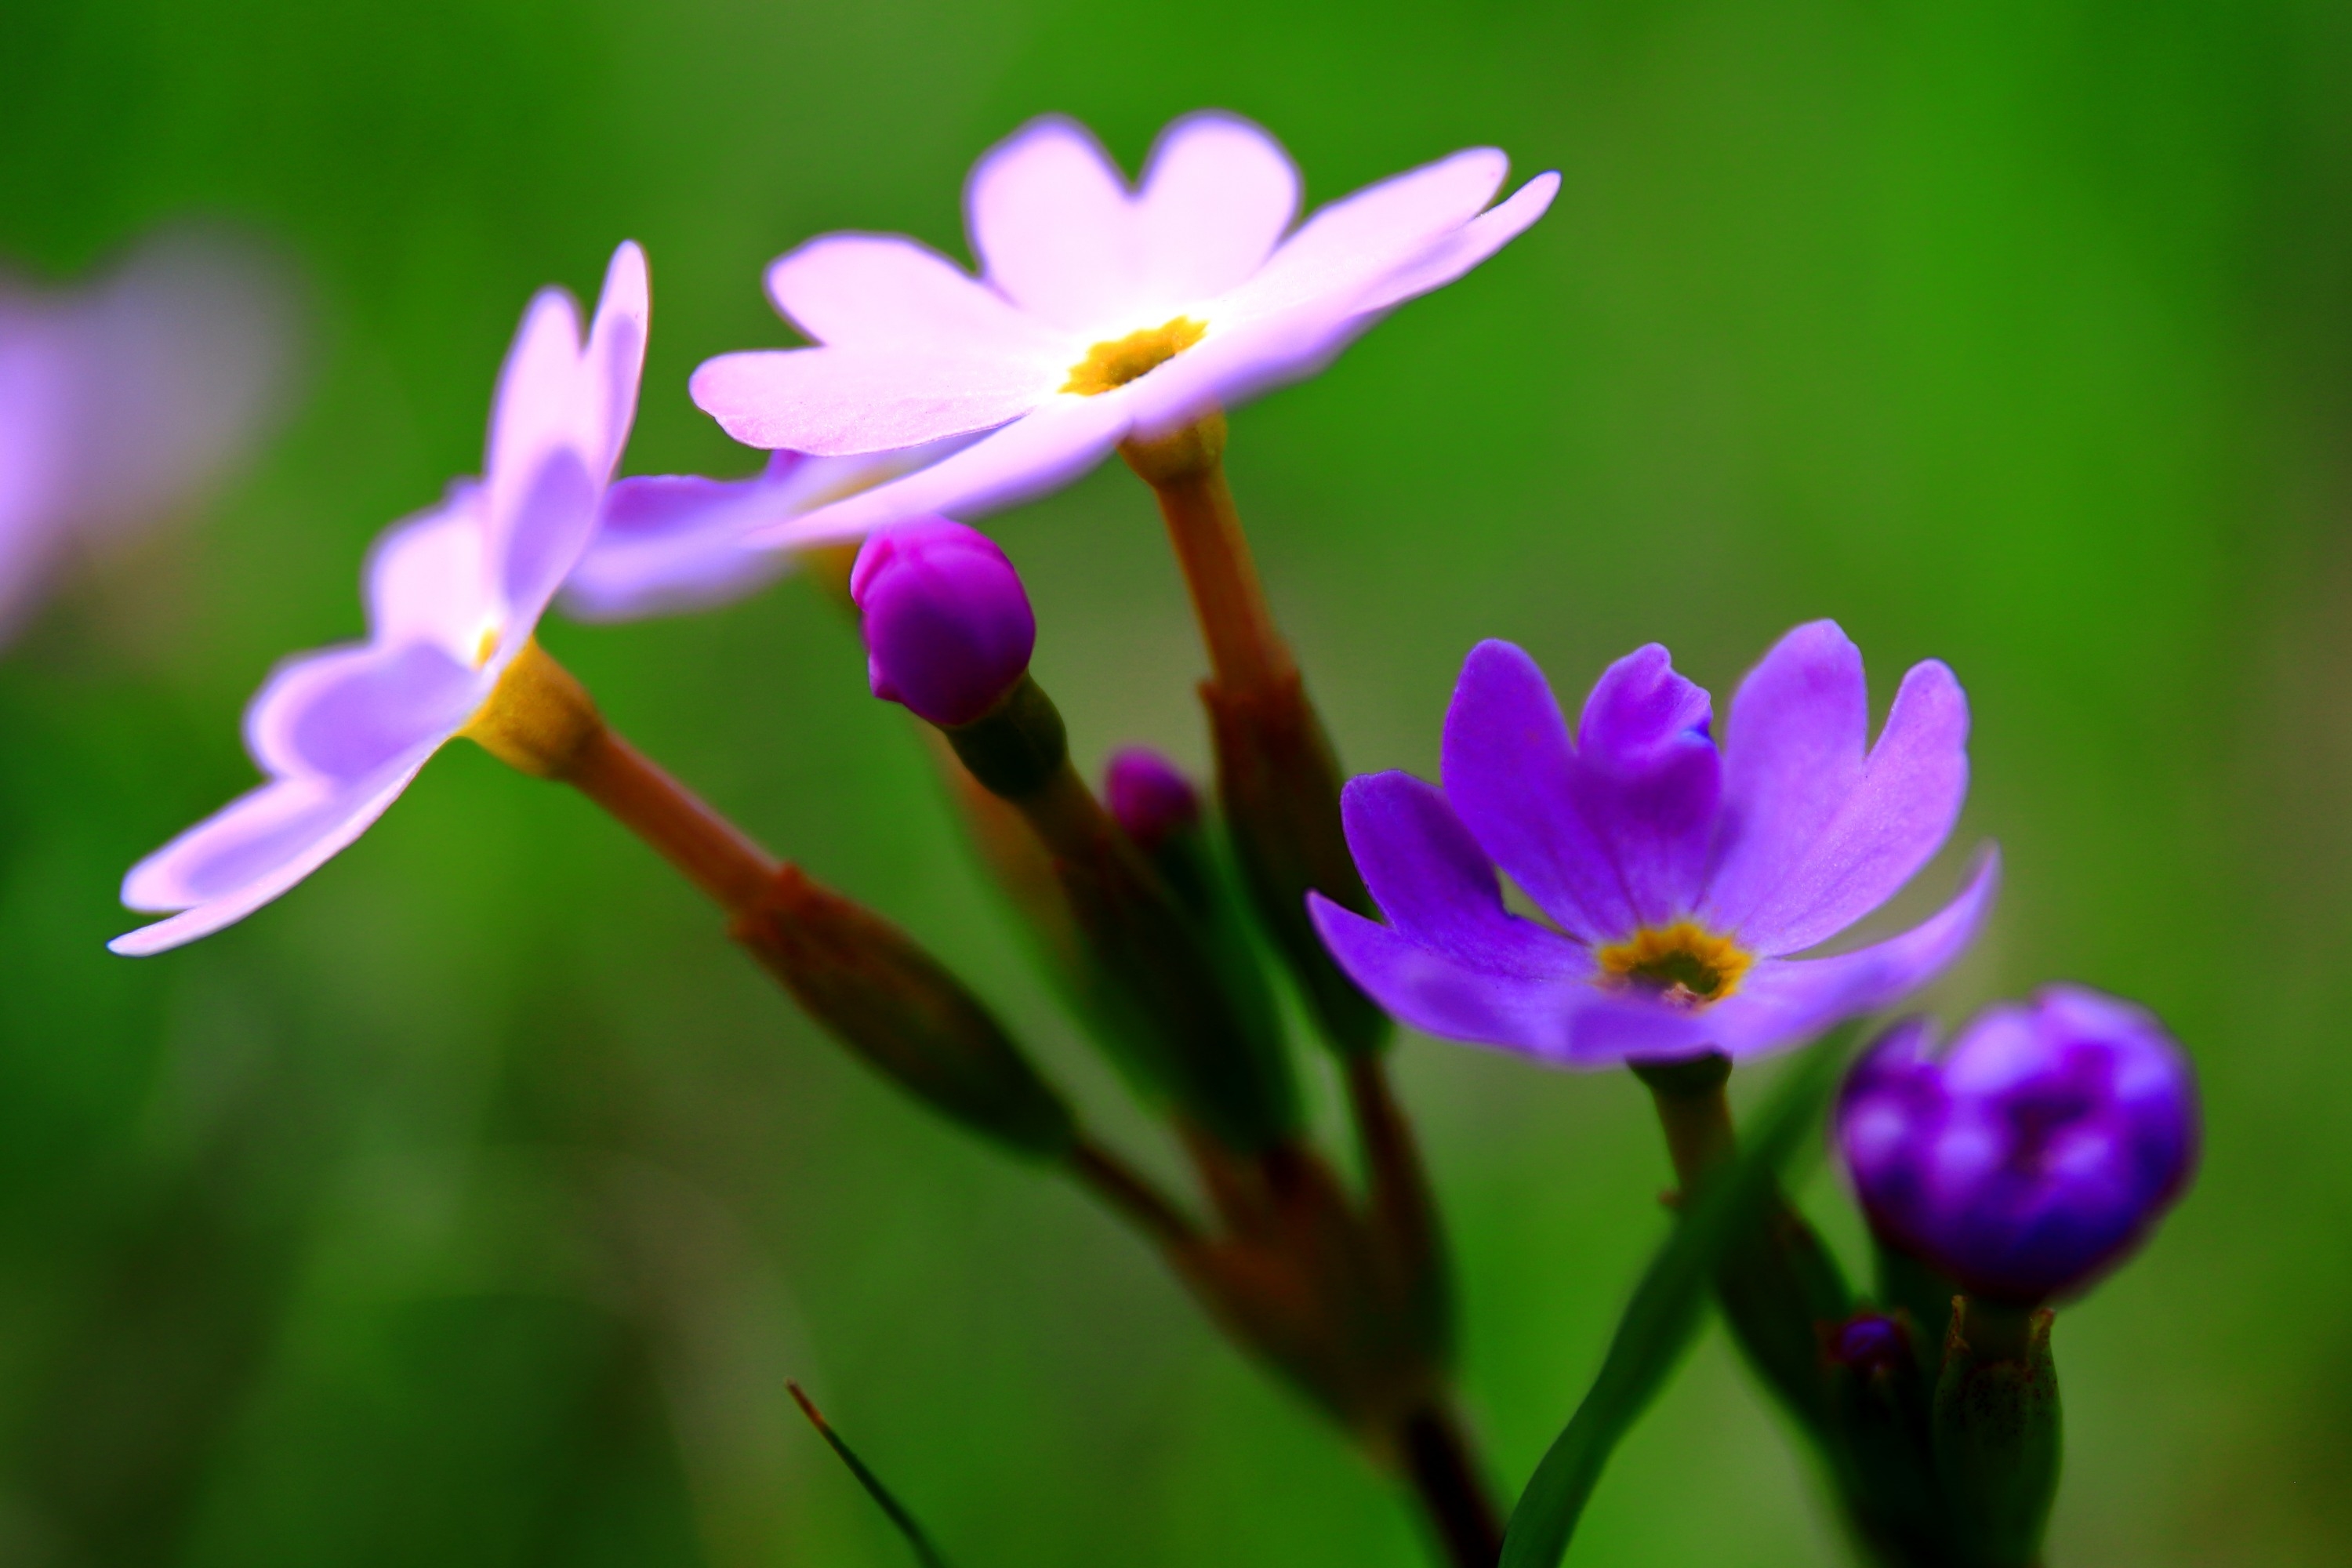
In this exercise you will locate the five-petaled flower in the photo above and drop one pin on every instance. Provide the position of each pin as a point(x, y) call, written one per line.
point(453, 596)
point(1681, 876)
point(2034, 1152)
point(1101, 312)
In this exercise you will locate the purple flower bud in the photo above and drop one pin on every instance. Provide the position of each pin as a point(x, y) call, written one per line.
point(1149, 797)
point(948, 626)
point(2031, 1155)
point(1869, 1342)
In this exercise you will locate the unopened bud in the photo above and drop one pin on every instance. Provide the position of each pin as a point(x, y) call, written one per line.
point(874, 989)
point(1150, 799)
point(947, 626)
point(2033, 1155)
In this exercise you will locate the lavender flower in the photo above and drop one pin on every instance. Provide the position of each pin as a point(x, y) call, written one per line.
point(1681, 876)
point(2031, 1156)
point(1101, 312)
point(121, 401)
point(453, 596)
point(946, 623)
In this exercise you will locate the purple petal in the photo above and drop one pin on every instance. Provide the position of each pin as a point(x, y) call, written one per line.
point(1026, 459)
point(1792, 755)
point(252, 850)
point(842, 402)
point(1605, 841)
point(1216, 197)
point(1473, 243)
point(1427, 873)
point(880, 291)
point(1051, 220)
point(1783, 1001)
point(345, 713)
point(1798, 874)
point(1524, 1001)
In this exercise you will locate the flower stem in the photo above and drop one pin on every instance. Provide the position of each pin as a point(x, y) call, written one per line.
point(1187, 471)
point(1129, 1194)
point(1693, 1112)
point(1446, 1482)
point(1278, 776)
point(713, 853)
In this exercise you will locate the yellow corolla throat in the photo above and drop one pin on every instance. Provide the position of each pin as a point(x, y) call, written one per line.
point(1111, 364)
point(488, 646)
point(1684, 964)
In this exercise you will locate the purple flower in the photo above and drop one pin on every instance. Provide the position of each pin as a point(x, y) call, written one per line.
point(453, 595)
point(121, 401)
point(1680, 875)
point(1101, 312)
point(948, 626)
point(1149, 796)
point(2031, 1156)
point(669, 544)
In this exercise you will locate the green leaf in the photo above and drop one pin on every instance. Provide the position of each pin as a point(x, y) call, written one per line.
point(925, 1552)
point(1665, 1313)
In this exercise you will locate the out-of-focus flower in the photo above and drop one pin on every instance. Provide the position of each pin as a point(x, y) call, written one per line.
point(669, 543)
point(453, 598)
point(2031, 1155)
point(1680, 877)
point(1101, 312)
point(123, 400)
point(947, 626)
point(1149, 796)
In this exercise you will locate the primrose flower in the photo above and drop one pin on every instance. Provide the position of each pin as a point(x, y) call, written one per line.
point(1101, 312)
point(2031, 1155)
point(453, 596)
point(1681, 874)
point(669, 544)
point(121, 400)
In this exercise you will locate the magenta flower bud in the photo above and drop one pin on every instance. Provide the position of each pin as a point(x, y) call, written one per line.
point(1149, 797)
point(948, 626)
point(2031, 1156)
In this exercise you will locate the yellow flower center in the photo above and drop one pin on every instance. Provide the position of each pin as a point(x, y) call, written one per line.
point(486, 646)
point(1684, 964)
point(1112, 364)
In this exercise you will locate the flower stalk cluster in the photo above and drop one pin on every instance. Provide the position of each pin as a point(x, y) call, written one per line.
point(1683, 876)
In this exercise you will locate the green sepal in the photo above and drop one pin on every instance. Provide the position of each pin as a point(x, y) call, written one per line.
point(1883, 1454)
point(1906, 1285)
point(1780, 1286)
point(870, 986)
point(1665, 1313)
point(1997, 1433)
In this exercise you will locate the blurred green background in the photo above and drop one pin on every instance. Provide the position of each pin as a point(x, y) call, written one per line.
point(470, 1206)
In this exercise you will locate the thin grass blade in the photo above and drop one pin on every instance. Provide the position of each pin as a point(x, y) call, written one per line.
point(925, 1552)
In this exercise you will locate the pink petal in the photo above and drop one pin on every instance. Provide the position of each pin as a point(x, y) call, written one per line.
point(251, 851)
point(344, 713)
point(842, 402)
point(1466, 247)
point(1216, 197)
point(1350, 245)
point(615, 358)
point(1050, 217)
point(427, 580)
point(880, 291)
point(1026, 458)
